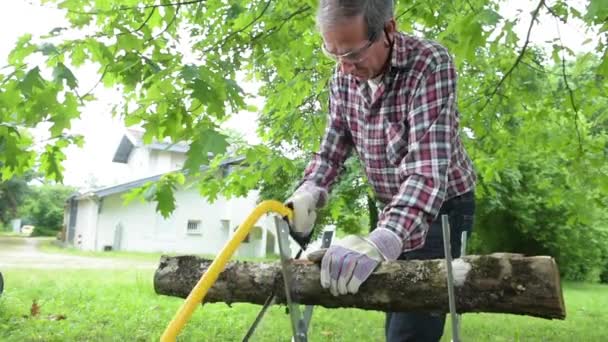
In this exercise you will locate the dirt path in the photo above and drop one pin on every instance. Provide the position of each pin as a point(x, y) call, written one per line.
point(24, 253)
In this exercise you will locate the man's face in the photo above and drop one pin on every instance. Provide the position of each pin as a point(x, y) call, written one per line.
point(365, 58)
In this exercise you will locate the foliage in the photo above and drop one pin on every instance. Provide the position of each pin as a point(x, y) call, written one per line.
point(548, 194)
point(12, 195)
point(44, 208)
point(535, 123)
point(43, 231)
point(604, 274)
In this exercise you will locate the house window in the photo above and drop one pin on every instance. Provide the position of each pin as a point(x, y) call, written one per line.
point(194, 227)
point(225, 225)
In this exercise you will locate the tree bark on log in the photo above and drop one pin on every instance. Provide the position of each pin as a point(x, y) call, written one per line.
point(499, 283)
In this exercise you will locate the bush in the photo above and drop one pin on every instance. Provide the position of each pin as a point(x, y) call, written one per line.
point(42, 231)
point(520, 212)
point(604, 274)
point(44, 208)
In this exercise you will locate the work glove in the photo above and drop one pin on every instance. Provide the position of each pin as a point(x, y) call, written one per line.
point(303, 203)
point(351, 260)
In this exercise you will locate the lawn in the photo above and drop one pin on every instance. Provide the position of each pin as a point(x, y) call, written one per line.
point(101, 305)
point(52, 246)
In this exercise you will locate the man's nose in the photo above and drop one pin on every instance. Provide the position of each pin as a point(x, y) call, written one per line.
point(347, 67)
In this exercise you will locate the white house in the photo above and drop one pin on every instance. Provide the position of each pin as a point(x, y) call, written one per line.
point(99, 220)
point(143, 160)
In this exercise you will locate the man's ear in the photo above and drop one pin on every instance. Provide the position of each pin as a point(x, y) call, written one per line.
point(390, 28)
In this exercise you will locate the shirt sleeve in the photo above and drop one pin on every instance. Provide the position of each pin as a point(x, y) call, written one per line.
point(423, 170)
point(336, 145)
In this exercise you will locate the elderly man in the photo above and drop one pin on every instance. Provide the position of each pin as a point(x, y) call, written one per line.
point(393, 100)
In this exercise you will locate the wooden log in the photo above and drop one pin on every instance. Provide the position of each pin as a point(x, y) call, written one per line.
point(499, 283)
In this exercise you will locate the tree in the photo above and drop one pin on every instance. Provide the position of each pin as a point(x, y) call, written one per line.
point(44, 208)
point(548, 193)
point(176, 64)
point(12, 195)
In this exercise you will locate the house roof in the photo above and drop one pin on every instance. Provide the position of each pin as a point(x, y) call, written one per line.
point(120, 188)
point(134, 138)
point(123, 151)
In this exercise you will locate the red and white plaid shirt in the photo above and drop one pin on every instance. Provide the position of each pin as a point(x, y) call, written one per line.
point(406, 137)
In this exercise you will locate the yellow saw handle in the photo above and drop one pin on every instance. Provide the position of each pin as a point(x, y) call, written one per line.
point(217, 266)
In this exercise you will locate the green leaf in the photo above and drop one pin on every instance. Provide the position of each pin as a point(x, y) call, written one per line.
point(189, 72)
point(50, 161)
point(103, 5)
point(202, 91)
point(9, 147)
point(206, 141)
point(22, 49)
point(61, 72)
point(234, 11)
point(129, 42)
point(164, 197)
point(31, 81)
point(62, 120)
point(78, 54)
point(132, 119)
point(48, 49)
point(134, 194)
point(489, 17)
point(597, 10)
point(603, 68)
point(150, 192)
point(555, 54)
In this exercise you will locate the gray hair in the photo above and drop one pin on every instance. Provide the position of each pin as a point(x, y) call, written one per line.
point(375, 13)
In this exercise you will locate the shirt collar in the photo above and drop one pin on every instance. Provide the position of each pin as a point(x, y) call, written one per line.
point(399, 54)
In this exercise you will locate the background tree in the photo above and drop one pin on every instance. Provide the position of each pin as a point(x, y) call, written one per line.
point(12, 195)
point(43, 208)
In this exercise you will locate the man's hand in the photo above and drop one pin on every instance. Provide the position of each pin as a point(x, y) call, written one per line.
point(303, 204)
point(350, 261)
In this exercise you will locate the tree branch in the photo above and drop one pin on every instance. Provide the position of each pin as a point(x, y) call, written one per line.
point(138, 28)
point(570, 92)
point(134, 8)
point(539, 69)
point(147, 19)
point(9, 76)
point(234, 33)
point(519, 57)
point(284, 21)
point(406, 11)
point(103, 74)
point(168, 25)
point(471, 6)
point(550, 10)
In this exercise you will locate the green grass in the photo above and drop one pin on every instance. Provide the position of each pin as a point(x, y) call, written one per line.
point(6, 233)
point(103, 305)
point(52, 246)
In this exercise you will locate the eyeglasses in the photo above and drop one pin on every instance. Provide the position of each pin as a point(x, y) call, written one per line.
point(353, 56)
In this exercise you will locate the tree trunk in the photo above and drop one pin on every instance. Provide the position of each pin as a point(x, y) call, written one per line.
point(501, 283)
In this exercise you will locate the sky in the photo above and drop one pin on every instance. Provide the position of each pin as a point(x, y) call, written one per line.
point(93, 162)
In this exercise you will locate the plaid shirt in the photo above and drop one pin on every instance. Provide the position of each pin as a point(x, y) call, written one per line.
point(406, 136)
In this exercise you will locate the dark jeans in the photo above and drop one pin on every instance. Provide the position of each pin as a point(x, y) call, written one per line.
point(428, 327)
